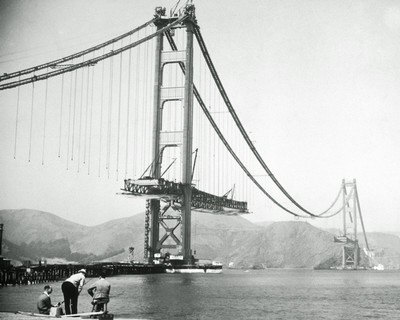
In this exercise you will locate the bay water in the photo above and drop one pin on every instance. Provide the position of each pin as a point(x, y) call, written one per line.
point(237, 294)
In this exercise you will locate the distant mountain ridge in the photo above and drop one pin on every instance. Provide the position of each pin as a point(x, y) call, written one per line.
point(31, 234)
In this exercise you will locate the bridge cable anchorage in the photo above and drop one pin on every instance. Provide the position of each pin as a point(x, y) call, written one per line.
point(92, 61)
point(221, 136)
point(238, 122)
point(75, 55)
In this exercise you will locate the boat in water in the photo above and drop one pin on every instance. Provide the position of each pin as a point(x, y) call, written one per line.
point(176, 264)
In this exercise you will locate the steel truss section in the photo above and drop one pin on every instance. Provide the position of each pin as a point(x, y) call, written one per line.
point(201, 201)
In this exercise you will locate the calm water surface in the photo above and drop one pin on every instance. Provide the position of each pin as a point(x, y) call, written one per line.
point(234, 294)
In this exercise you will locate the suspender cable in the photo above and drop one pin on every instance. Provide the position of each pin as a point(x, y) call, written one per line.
point(74, 116)
point(16, 125)
point(346, 201)
point(44, 121)
point(110, 101)
point(69, 118)
point(86, 115)
point(101, 112)
point(91, 120)
point(90, 62)
point(238, 122)
point(136, 112)
point(30, 131)
point(80, 122)
point(144, 97)
point(218, 131)
point(119, 109)
point(359, 212)
point(74, 56)
point(61, 110)
point(128, 109)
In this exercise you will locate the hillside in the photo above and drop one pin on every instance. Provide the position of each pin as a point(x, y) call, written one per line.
point(31, 234)
point(386, 248)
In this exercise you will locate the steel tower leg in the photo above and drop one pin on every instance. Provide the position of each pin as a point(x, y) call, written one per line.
point(356, 248)
point(187, 146)
point(344, 223)
point(156, 166)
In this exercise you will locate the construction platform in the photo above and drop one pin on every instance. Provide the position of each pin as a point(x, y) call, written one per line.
point(173, 191)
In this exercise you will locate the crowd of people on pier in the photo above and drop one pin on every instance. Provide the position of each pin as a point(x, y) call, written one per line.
point(71, 288)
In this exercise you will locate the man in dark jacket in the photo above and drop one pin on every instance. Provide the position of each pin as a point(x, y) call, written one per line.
point(100, 291)
point(44, 302)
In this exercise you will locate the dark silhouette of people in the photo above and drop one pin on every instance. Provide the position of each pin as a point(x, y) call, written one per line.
point(44, 302)
point(100, 291)
point(71, 289)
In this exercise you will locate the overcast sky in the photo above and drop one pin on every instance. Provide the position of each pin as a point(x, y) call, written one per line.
point(316, 83)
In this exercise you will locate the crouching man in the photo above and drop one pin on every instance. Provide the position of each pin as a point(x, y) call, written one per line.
point(44, 302)
point(100, 291)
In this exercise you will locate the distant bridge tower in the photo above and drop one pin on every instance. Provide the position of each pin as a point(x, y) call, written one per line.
point(349, 233)
point(172, 139)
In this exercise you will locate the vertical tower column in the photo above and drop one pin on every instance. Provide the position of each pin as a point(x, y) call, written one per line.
point(344, 223)
point(187, 146)
point(356, 248)
point(154, 204)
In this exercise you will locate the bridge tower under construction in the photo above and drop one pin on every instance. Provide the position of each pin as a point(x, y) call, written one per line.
point(169, 204)
point(163, 139)
point(349, 233)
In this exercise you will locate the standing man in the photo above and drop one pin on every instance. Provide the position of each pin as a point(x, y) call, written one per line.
point(100, 291)
point(71, 289)
point(44, 302)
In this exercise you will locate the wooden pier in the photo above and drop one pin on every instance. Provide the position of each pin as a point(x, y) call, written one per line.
point(23, 275)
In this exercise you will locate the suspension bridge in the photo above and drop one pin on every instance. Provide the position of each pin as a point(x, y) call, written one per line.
point(149, 109)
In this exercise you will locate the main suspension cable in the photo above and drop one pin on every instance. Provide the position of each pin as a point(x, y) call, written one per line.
point(75, 55)
point(238, 122)
point(90, 62)
point(221, 136)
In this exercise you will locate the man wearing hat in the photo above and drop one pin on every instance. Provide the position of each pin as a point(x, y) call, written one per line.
point(71, 289)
